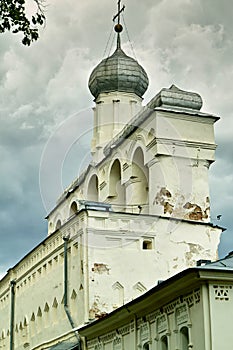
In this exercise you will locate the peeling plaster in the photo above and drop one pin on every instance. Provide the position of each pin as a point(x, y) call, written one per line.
point(162, 198)
point(100, 268)
point(194, 251)
point(195, 211)
point(174, 205)
point(168, 208)
point(95, 311)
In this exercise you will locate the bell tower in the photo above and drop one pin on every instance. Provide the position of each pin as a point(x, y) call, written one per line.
point(118, 83)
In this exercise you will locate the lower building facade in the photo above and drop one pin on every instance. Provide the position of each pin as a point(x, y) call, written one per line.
point(191, 310)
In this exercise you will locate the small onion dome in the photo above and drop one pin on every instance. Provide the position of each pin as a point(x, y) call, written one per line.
point(118, 72)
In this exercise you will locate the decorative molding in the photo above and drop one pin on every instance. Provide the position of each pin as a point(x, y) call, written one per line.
point(117, 343)
point(152, 143)
point(46, 307)
point(139, 287)
point(175, 142)
point(73, 294)
point(117, 285)
point(153, 161)
point(162, 323)
point(55, 303)
point(102, 185)
point(174, 113)
point(132, 180)
point(99, 346)
point(125, 166)
point(221, 292)
point(91, 343)
point(124, 330)
point(169, 308)
point(182, 314)
point(107, 338)
point(151, 318)
point(145, 332)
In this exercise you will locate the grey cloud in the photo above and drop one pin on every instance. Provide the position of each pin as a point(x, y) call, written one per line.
point(188, 43)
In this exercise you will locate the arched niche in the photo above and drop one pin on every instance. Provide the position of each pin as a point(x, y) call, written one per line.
point(73, 208)
point(92, 189)
point(137, 194)
point(116, 189)
point(58, 224)
point(164, 343)
point(184, 338)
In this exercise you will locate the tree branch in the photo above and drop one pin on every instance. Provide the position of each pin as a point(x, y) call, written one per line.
point(13, 18)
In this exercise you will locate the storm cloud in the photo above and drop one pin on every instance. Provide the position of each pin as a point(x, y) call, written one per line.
point(45, 101)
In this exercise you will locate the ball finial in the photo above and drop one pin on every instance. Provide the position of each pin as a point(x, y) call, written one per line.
point(118, 28)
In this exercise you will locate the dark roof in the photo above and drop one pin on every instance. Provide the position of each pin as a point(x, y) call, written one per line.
point(222, 264)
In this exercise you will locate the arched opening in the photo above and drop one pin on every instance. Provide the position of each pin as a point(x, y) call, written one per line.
point(184, 337)
point(138, 190)
point(146, 346)
point(92, 191)
point(73, 208)
point(116, 190)
point(58, 224)
point(164, 343)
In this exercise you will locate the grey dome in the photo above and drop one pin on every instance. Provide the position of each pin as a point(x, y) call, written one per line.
point(118, 72)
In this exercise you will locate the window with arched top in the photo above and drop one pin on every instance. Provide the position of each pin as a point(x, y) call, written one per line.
point(164, 343)
point(73, 208)
point(184, 338)
point(92, 190)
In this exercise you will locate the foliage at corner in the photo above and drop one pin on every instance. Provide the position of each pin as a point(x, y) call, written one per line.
point(13, 18)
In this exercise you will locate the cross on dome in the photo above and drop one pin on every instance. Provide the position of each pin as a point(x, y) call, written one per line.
point(118, 27)
point(119, 72)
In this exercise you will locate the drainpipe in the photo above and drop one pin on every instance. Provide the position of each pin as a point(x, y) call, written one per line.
point(12, 315)
point(66, 306)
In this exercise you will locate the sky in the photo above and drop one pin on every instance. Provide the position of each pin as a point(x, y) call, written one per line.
point(46, 107)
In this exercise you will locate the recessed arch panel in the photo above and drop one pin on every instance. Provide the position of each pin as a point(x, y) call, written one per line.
point(92, 189)
point(138, 191)
point(58, 224)
point(184, 338)
point(73, 208)
point(116, 189)
point(164, 343)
